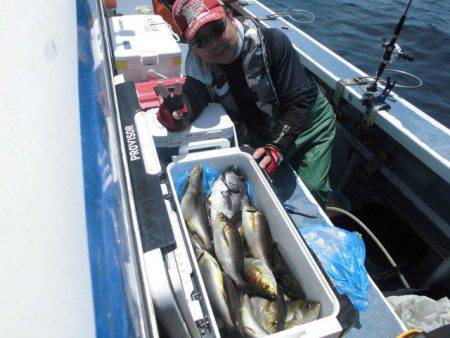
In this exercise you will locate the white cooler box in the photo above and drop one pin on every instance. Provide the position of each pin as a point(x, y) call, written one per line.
point(284, 233)
point(144, 47)
point(213, 123)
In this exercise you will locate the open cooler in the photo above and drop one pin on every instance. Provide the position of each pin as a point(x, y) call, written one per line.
point(288, 241)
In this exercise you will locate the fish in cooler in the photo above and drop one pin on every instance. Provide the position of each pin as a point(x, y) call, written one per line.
point(227, 195)
point(193, 207)
point(270, 314)
point(215, 288)
point(301, 312)
point(257, 234)
point(259, 276)
point(251, 326)
point(285, 278)
point(229, 249)
point(229, 275)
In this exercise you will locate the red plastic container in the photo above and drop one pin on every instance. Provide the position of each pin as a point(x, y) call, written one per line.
point(147, 94)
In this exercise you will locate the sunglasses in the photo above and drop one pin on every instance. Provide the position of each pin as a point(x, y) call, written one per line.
point(209, 33)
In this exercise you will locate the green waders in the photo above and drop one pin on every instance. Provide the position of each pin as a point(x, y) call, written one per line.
point(310, 154)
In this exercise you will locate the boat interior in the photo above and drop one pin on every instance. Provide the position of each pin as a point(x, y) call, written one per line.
point(390, 169)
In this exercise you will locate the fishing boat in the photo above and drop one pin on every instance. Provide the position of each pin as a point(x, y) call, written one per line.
point(112, 224)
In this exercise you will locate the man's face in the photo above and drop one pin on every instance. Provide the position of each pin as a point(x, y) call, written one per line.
point(217, 45)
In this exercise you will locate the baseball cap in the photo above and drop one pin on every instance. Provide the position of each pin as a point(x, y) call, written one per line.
point(190, 15)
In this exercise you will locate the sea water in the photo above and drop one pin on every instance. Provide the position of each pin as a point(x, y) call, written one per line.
point(354, 29)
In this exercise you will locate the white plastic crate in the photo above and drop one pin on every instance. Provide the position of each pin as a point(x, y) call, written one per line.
point(213, 123)
point(284, 233)
point(144, 47)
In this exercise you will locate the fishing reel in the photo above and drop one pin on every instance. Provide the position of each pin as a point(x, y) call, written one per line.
point(397, 52)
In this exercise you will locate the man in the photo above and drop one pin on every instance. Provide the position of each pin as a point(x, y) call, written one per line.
point(256, 74)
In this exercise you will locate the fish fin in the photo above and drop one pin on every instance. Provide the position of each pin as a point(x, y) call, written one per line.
point(243, 297)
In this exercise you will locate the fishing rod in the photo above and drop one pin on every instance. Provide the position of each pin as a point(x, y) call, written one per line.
point(390, 48)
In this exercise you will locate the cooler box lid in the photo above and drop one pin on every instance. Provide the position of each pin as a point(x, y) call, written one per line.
point(212, 123)
point(145, 37)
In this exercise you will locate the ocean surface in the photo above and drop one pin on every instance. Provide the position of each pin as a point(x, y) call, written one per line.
point(354, 29)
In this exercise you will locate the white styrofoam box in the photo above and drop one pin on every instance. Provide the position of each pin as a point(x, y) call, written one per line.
point(289, 242)
point(213, 123)
point(144, 47)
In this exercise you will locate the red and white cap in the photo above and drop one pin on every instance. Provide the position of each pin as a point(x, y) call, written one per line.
point(190, 15)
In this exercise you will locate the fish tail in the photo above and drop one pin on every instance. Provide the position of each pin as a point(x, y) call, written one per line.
point(242, 296)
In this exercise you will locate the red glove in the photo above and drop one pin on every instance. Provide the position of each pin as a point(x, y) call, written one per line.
point(172, 113)
point(269, 158)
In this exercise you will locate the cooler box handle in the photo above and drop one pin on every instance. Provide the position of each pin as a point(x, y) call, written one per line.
point(150, 59)
point(221, 143)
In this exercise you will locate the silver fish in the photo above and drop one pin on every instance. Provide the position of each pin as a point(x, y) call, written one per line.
point(270, 314)
point(251, 326)
point(257, 234)
point(234, 306)
point(229, 249)
point(197, 243)
point(227, 194)
point(285, 278)
point(259, 275)
point(301, 312)
point(215, 288)
point(194, 208)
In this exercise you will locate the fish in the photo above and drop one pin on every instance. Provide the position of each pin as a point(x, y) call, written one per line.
point(270, 314)
point(286, 280)
point(197, 243)
point(250, 325)
point(193, 208)
point(215, 288)
point(227, 194)
point(257, 234)
point(301, 312)
point(229, 249)
point(233, 297)
point(258, 275)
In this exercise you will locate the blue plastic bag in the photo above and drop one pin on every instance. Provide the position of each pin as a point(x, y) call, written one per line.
point(342, 255)
point(210, 175)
